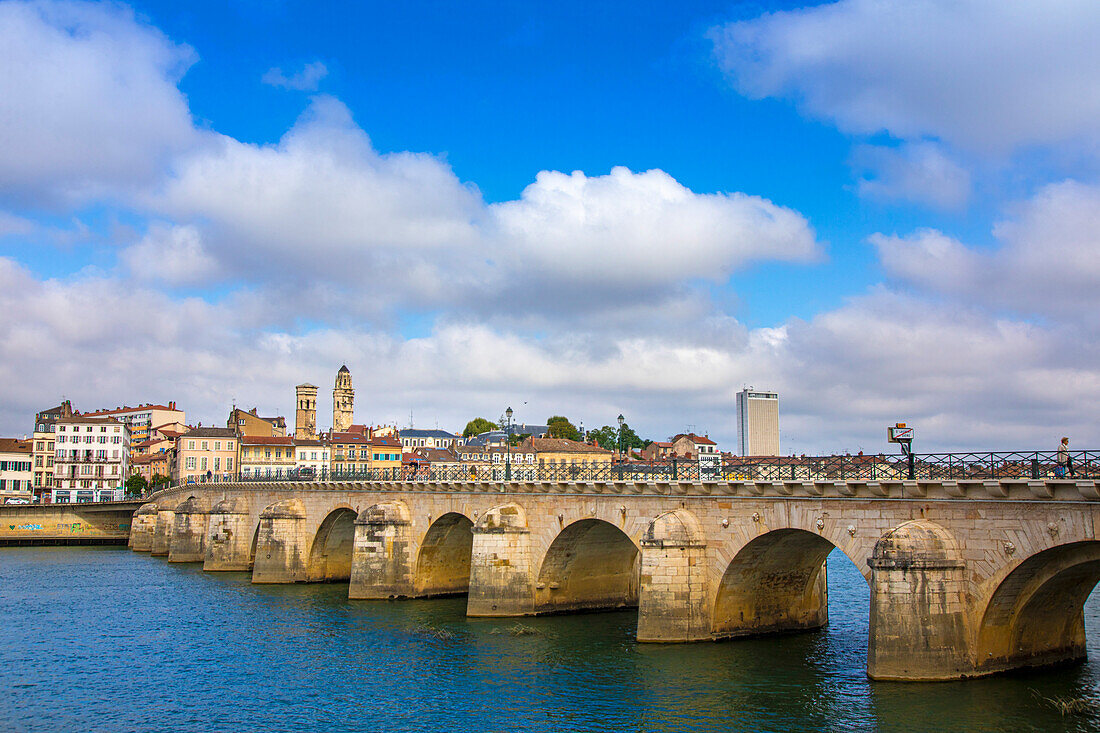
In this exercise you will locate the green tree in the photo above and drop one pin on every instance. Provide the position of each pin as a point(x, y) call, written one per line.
point(514, 440)
point(136, 485)
point(607, 437)
point(477, 426)
point(560, 427)
point(159, 481)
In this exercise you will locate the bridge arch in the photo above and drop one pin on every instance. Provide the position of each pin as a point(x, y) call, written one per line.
point(443, 560)
point(775, 583)
point(331, 552)
point(1035, 616)
point(590, 565)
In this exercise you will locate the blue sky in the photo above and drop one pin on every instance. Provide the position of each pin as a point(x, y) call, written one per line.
point(855, 203)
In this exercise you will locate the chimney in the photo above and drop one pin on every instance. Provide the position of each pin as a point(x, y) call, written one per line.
point(171, 405)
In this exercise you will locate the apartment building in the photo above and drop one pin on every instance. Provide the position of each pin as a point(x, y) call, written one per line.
point(91, 459)
point(16, 474)
point(205, 454)
point(267, 456)
point(757, 422)
point(144, 418)
point(412, 438)
point(45, 425)
point(311, 457)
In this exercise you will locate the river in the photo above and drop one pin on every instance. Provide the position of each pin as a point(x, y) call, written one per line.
point(103, 639)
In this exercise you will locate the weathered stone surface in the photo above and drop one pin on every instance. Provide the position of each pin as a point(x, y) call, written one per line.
point(967, 579)
point(189, 527)
point(143, 526)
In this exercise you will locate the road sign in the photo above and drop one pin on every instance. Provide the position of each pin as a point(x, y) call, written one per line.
point(899, 434)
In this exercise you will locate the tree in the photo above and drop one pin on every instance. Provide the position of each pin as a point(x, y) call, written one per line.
point(514, 440)
point(608, 438)
point(136, 485)
point(158, 481)
point(560, 427)
point(477, 426)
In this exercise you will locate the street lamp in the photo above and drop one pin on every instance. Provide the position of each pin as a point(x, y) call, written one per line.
point(622, 421)
point(508, 438)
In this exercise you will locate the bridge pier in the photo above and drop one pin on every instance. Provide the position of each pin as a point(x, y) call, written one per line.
point(918, 606)
point(229, 538)
point(673, 601)
point(142, 528)
point(162, 532)
point(282, 545)
point(502, 582)
point(382, 553)
point(189, 531)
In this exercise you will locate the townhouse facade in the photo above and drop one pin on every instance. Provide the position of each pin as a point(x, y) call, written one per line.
point(311, 457)
point(144, 418)
point(91, 459)
point(205, 454)
point(45, 427)
point(16, 469)
point(412, 438)
point(267, 456)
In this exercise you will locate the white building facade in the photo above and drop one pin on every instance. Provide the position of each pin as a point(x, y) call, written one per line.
point(757, 422)
point(311, 457)
point(91, 459)
point(16, 474)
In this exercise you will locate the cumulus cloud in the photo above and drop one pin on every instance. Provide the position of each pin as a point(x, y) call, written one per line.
point(1046, 263)
point(983, 75)
point(919, 172)
point(305, 80)
point(88, 101)
point(171, 254)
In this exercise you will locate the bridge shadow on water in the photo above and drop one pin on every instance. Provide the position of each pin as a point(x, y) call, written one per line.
point(187, 650)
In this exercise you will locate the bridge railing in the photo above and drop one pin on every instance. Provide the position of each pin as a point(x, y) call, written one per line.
point(1022, 465)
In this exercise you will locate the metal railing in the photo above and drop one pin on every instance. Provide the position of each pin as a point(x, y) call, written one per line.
point(1024, 465)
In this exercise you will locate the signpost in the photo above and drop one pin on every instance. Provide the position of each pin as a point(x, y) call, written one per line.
point(902, 434)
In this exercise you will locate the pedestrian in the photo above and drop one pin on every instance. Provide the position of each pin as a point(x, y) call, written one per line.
point(1065, 462)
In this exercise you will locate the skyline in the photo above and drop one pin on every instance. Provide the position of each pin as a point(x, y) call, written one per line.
point(631, 209)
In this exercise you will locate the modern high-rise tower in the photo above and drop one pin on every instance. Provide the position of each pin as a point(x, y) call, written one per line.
point(757, 422)
point(305, 413)
point(343, 401)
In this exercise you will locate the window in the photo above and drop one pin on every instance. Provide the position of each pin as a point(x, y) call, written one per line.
point(267, 452)
point(217, 445)
point(190, 463)
point(117, 439)
point(204, 445)
point(229, 445)
point(217, 463)
point(203, 463)
point(190, 445)
point(229, 463)
point(103, 439)
point(278, 453)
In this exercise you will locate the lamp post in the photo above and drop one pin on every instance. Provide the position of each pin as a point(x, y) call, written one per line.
point(508, 438)
point(622, 421)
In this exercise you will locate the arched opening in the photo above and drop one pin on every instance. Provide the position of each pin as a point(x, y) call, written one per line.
point(1036, 615)
point(777, 583)
point(443, 564)
point(330, 557)
point(591, 565)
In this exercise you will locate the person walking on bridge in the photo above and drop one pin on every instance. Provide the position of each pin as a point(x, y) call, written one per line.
point(1065, 462)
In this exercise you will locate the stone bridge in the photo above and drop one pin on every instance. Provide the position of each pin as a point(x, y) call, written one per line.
point(966, 578)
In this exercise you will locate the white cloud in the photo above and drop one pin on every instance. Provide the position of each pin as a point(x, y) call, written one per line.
point(171, 254)
point(12, 224)
point(919, 172)
point(88, 100)
point(1048, 261)
point(305, 80)
point(983, 75)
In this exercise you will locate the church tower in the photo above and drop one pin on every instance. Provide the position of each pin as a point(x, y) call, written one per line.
point(343, 400)
point(305, 416)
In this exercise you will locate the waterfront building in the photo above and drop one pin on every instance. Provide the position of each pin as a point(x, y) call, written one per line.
point(694, 447)
point(91, 459)
point(556, 453)
point(249, 422)
point(16, 468)
point(267, 456)
point(412, 438)
point(205, 454)
point(385, 454)
point(45, 425)
point(151, 465)
point(305, 410)
point(144, 418)
point(311, 457)
point(350, 451)
point(757, 422)
point(343, 401)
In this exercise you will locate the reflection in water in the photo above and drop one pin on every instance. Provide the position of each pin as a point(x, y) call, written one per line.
point(103, 639)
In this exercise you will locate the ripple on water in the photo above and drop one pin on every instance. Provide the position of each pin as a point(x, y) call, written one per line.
point(105, 639)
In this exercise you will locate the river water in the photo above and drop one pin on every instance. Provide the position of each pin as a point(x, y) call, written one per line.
point(104, 639)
